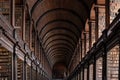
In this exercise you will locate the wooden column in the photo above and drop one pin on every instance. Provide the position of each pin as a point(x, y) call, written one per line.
point(119, 59)
point(96, 24)
point(82, 73)
point(12, 17)
point(107, 12)
point(90, 37)
point(30, 43)
point(104, 65)
point(31, 71)
point(24, 68)
point(23, 25)
point(81, 49)
point(36, 72)
point(78, 76)
point(94, 69)
point(84, 44)
point(14, 60)
point(88, 72)
point(14, 63)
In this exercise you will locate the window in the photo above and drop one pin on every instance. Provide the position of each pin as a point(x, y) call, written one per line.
point(79, 50)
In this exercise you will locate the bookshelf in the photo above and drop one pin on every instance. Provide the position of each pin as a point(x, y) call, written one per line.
point(114, 7)
point(101, 21)
point(113, 64)
point(99, 69)
point(28, 69)
point(19, 69)
point(5, 8)
point(5, 64)
point(91, 72)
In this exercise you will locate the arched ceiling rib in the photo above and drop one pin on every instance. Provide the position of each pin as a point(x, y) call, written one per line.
point(59, 24)
point(78, 5)
point(59, 32)
point(31, 3)
point(59, 47)
point(65, 40)
point(46, 5)
point(60, 29)
point(58, 17)
point(66, 24)
point(56, 27)
point(60, 36)
point(60, 44)
point(65, 54)
point(85, 5)
point(60, 58)
point(60, 10)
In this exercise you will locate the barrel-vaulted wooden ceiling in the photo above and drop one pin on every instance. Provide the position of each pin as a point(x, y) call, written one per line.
point(59, 24)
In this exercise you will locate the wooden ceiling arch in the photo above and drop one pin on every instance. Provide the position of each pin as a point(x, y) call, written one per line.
point(59, 24)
